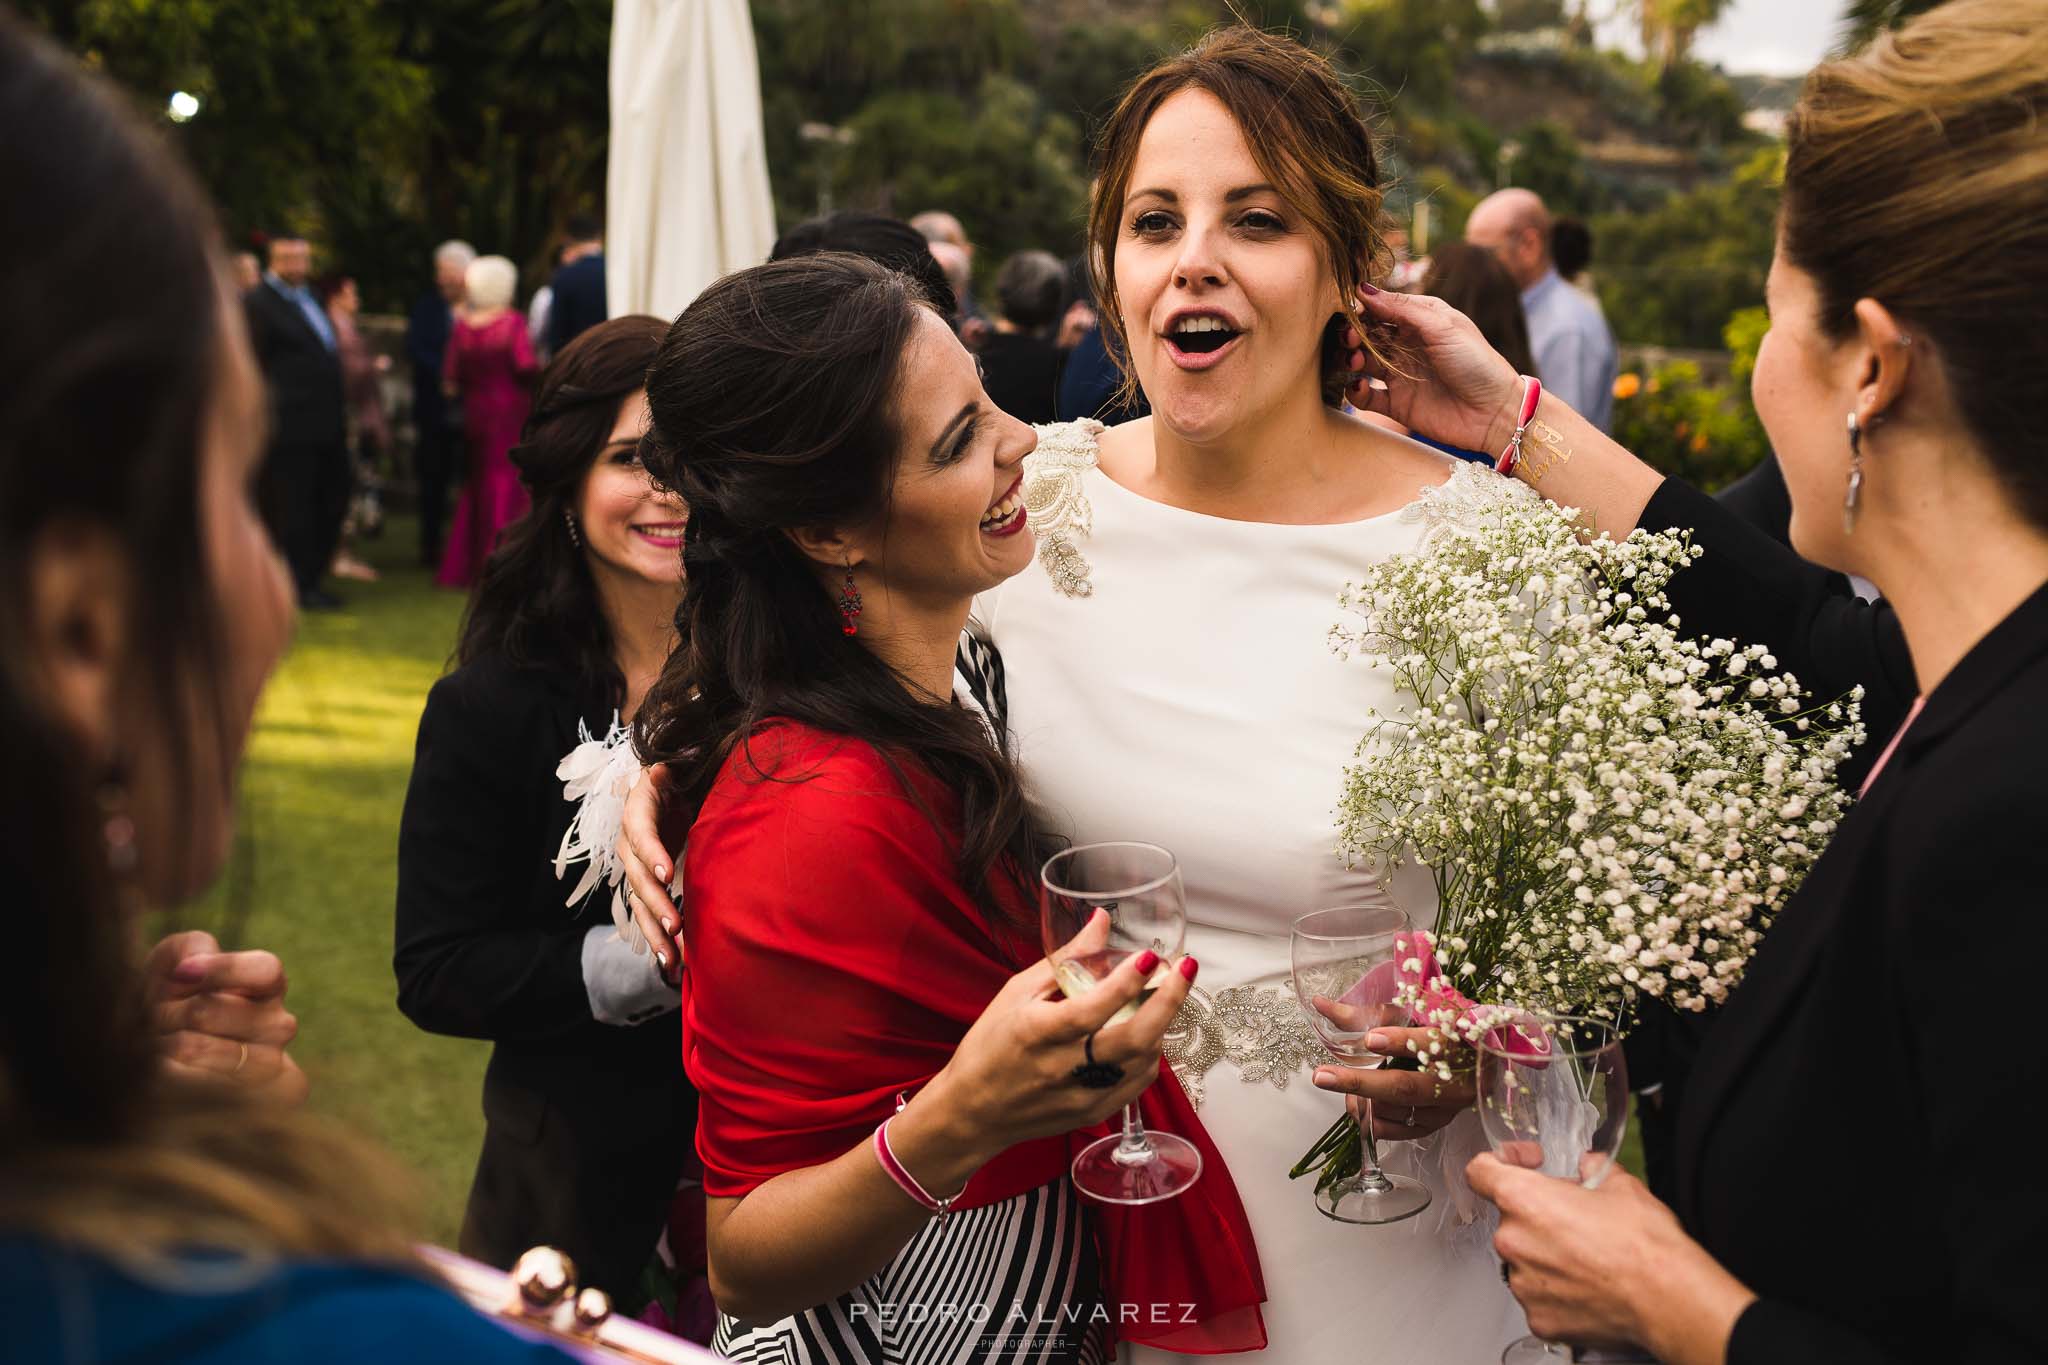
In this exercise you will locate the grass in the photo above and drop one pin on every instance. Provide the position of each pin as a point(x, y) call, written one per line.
point(315, 873)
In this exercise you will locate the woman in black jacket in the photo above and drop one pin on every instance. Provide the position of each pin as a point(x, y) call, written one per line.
point(589, 1115)
point(1849, 1186)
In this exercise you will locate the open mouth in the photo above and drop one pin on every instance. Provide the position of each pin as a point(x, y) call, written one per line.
point(1202, 335)
point(1007, 517)
point(1199, 340)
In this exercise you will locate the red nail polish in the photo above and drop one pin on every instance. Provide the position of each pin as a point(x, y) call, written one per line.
point(1188, 967)
point(1367, 289)
point(1147, 960)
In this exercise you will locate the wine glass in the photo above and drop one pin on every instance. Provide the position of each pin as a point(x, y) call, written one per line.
point(1553, 1097)
point(1138, 885)
point(1346, 976)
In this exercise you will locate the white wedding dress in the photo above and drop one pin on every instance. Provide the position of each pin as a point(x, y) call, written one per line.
point(1169, 679)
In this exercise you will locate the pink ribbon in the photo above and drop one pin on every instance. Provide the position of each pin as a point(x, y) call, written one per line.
point(1436, 996)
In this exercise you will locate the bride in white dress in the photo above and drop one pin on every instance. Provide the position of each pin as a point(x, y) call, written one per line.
point(1167, 667)
point(1166, 662)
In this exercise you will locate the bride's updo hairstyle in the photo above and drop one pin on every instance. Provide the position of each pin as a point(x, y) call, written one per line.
point(1916, 174)
point(1305, 131)
point(773, 405)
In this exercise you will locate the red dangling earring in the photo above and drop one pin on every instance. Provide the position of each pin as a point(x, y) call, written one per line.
point(849, 605)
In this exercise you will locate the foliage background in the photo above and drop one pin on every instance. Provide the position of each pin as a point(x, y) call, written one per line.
point(379, 127)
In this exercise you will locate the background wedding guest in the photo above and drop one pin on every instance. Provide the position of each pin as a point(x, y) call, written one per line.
point(540, 312)
point(491, 367)
point(141, 607)
point(1020, 359)
point(248, 271)
point(577, 292)
point(1897, 386)
point(587, 1110)
point(1472, 280)
point(937, 225)
point(1574, 350)
point(437, 419)
point(362, 372)
point(305, 477)
point(1571, 250)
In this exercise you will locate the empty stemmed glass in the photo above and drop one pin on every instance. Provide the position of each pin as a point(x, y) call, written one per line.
point(1553, 1097)
point(1346, 976)
point(1138, 887)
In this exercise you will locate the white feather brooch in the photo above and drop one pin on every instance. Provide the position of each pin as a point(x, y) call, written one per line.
point(597, 775)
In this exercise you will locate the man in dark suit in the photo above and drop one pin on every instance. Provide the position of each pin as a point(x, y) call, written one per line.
point(304, 485)
point(578, 285)
point(436, 423)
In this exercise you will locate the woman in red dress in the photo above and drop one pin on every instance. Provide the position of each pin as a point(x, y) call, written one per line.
point(861, 924)
point(490, 362)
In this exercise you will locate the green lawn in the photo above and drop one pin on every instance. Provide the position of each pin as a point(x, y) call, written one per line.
point(315, 870)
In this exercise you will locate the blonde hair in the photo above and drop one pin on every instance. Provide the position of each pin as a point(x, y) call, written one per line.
point(1916, 174)
point(491, 281)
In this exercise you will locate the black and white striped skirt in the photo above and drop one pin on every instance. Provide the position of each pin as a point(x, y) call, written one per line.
point(1015, 1283)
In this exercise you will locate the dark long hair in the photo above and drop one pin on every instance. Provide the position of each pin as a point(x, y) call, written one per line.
point(535, 603)
point(110, 370)
point(772, 405)
point(1472, 280)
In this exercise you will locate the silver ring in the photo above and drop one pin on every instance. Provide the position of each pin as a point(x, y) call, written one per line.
point(632, 893)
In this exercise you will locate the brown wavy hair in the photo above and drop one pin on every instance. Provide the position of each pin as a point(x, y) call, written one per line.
point(111, 367)
point(1309, 137)
point(1916, 174)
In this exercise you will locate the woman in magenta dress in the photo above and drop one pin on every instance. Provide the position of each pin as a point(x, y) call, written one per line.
point(490, 362)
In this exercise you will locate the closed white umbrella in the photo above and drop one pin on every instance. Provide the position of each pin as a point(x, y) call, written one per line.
point(686, 186)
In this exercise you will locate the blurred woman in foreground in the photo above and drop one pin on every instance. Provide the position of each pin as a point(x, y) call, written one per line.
point(141, 607)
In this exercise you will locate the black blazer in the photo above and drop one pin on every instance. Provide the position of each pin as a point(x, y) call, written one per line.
point(589, 1124)
point(303, 376)
point(579, 302)
point(1851, 1146)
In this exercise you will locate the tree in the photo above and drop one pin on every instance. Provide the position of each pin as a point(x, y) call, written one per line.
point(1669, 26)
point(1868, 18)
point(1674, 276)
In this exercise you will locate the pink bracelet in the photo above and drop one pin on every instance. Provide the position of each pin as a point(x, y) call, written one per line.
point(905, 1181)
point(1532, 392)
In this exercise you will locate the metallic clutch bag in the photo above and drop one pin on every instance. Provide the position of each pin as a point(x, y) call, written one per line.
point(540, 1299)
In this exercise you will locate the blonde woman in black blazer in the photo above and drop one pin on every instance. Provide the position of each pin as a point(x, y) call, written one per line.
point(1850, 1184)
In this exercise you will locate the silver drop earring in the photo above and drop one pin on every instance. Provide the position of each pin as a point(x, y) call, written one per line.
point(1855, 494)
point(576, 539)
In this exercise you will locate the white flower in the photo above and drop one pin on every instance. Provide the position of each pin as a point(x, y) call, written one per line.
point(1600, 816)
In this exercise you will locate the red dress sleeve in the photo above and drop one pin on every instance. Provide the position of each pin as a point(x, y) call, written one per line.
point(831, 957)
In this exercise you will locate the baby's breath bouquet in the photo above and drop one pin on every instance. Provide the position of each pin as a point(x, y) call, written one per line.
point(1608, 807)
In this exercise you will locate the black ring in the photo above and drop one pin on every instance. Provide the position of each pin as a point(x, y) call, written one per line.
point(1093, 1074)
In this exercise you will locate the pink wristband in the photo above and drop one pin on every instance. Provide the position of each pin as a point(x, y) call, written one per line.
point(905, 1181)
point(1532, 393)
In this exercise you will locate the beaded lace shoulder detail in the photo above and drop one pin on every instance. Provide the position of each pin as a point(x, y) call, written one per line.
point(1058, 508)
point(1467, 501)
